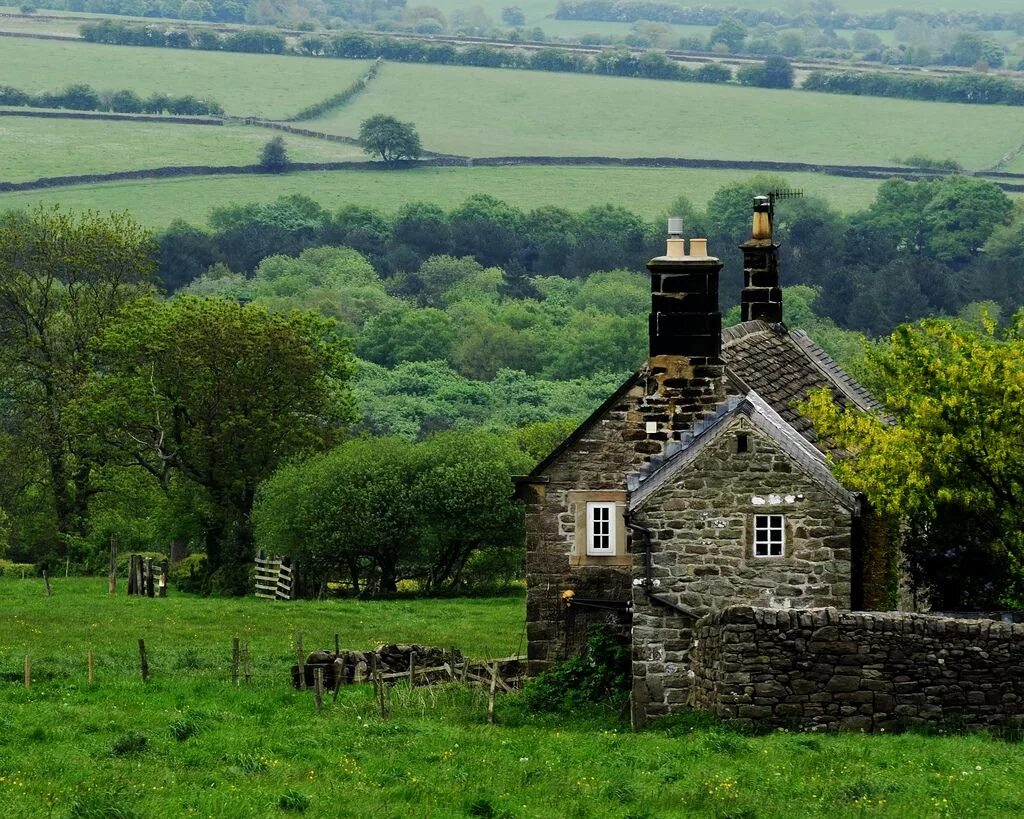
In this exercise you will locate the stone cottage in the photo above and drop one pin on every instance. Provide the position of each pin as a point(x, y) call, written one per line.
point(697, 485)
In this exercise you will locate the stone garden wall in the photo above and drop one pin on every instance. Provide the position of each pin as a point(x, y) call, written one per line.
point(831, 669)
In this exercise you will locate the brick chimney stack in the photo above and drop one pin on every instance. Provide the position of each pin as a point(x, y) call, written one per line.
point(762, 296)
point(685, 332)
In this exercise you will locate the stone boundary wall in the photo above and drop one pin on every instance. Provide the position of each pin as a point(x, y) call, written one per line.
point(438, 161)
point(45, 113)
point(828, 669)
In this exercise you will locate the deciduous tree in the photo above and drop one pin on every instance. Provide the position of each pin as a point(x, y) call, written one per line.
point(390, 139)
point(950, 460)
point(63, 279)
point(220, 394)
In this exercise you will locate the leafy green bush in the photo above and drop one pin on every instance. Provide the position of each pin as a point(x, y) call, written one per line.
point(601, 675)
point(189, 575)
point(9, 568)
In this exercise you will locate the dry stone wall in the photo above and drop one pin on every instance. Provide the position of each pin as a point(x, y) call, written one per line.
point(825, 669)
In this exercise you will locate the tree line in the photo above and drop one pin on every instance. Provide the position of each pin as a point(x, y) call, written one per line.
point(921, 248)
point(974, 89)
point(83, 97)
point(825, 15)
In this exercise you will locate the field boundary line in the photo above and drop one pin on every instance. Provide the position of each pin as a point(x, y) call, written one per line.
point(879, 173)
point(108, 115)
point(339, 100)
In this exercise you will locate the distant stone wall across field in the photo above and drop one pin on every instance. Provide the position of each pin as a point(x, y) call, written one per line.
point(837, 670)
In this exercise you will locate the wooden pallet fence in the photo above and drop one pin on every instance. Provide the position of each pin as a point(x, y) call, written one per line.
point(274, 577)
point(144, 578)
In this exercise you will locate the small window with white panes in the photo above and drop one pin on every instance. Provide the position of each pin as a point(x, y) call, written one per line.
point(769, 536)
point(600, 529)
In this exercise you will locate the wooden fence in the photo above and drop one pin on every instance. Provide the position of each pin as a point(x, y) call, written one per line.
point(145, 579)
point(274, 577)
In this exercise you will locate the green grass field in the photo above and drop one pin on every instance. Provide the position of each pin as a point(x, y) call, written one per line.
point(648, 191)
point(190, 743)
point(245, 84)
point(486, 112)
point(31, 148)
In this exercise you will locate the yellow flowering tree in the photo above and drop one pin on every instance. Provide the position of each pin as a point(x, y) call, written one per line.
point(949, 460)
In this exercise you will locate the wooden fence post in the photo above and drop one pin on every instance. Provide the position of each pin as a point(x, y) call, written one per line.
point(318, 686)
point(91, 677)
point(490, 696)
point(143, 662)
point(28, 671)
point(235, 656)
point(112, 577)
point(302, 663)
point(412, 669)
point(150, 591)
point(247, 663)
point(46, 581)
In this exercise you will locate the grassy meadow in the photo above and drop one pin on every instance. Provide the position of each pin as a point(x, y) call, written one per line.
point(647, 191)
point(189, 743)
point(31, 148)
point(268, 85)
point(487, 112)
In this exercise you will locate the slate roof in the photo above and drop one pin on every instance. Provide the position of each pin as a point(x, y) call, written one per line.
point(784, 367)
point(680, 454)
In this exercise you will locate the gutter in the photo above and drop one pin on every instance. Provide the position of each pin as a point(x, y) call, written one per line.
point(648, 582)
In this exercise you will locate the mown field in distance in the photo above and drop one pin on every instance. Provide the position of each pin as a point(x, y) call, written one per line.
point(648, 191)
point(190, 743)
point(487, 112)
point(32, 147)
point(268, 85)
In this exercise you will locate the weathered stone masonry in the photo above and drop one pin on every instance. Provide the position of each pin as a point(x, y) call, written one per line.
point(831, 669)
point(701, 551)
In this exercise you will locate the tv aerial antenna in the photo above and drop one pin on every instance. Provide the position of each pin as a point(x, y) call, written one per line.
point(781, 193)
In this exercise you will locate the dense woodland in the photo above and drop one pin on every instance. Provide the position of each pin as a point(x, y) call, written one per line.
point(332, 385)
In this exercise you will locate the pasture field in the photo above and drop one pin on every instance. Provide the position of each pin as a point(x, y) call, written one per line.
point(190, 743)
point(32, 147)
point(487, 112)
point(268, 85)
point(647, 191)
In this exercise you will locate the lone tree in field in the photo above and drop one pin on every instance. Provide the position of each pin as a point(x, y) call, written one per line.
point(274, 158)
point(390, 139)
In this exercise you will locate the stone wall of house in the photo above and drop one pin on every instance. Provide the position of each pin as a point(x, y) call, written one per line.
point(702, 557)
point(829, 669)
point(613, 445)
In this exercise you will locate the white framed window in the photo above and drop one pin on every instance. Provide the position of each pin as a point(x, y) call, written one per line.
point(601, 528)
point(769, 536)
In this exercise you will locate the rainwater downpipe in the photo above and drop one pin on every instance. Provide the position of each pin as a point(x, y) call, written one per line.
point(648, 582)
